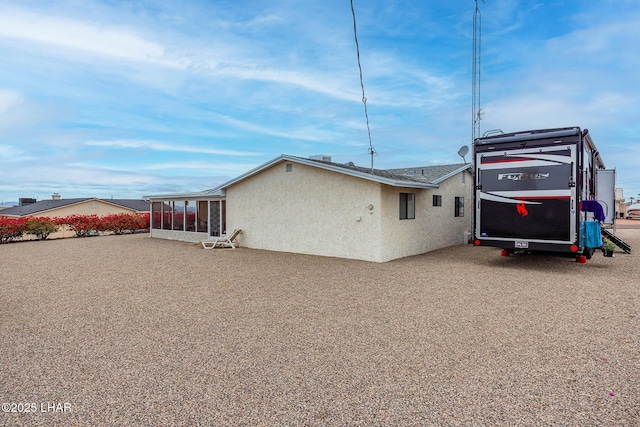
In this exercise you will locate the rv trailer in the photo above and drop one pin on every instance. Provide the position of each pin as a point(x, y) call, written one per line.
point(541, 190)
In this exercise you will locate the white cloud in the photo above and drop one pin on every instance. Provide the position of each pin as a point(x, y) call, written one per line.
point(9, 153)
point(91, 37)
point(9, 99)
point(301, 133)
point(204, 168)
point(163, 146)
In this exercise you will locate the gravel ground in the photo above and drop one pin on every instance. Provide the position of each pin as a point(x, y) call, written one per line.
point(132, 331)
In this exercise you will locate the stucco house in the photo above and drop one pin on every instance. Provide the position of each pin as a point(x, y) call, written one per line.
point(80, 206)
point(315, 206)
point(58, 207)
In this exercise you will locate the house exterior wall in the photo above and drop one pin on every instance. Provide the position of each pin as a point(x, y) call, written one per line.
point(434, 227)
point(88, 207)
point(308, 210)
point(183, 236)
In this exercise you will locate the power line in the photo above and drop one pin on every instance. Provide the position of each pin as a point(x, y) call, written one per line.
point(372, 151)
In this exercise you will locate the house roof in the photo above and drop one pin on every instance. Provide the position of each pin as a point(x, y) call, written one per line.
point(424, 177)
point(433, 174)
point(137, 205)
point(376, 175)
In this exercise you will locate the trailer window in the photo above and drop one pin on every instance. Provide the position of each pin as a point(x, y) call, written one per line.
point(407, 206)
point(459, 206)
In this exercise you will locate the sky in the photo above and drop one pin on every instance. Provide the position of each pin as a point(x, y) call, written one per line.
point(130, 98)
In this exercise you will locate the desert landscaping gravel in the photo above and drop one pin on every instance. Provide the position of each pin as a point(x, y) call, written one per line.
point(133, 331)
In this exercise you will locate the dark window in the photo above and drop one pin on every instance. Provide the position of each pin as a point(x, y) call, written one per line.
point(156, 215)
point(190, 215)
point(167, 215)
point(437, 200)
point(407, 206)
point(459, 206)
point(203, 215)
point(178, 215)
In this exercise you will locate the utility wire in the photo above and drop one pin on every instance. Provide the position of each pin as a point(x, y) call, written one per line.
point(372, 151)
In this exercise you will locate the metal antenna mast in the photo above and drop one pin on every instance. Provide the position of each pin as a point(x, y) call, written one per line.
point(475, 74)
point(372, 151)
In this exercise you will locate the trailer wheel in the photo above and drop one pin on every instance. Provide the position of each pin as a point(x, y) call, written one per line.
point(589, 252)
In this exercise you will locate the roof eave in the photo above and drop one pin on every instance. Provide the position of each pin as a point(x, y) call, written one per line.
point(452, 173)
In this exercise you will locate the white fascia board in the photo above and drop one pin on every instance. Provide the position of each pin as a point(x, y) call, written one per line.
point(452, 173)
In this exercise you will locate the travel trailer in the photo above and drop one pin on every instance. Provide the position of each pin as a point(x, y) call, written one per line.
point(542, 190)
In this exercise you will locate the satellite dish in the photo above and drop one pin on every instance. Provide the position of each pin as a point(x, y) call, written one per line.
point(463, 152)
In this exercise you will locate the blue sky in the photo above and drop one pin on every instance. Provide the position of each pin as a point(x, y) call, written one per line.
point(129, 98)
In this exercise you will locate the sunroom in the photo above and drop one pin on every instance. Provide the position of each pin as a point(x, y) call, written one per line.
point(188, 217)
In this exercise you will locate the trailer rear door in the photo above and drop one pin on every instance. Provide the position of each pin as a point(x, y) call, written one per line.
point(527, 194)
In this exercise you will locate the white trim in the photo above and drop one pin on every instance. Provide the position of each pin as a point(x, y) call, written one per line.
point(452, 173)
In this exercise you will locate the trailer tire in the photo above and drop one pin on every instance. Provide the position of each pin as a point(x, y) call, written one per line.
point(589, 252)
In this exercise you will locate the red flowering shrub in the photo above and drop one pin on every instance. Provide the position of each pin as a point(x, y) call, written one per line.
point(82, 225)
point(11, 229)
point(125, 223)
point(90, 225)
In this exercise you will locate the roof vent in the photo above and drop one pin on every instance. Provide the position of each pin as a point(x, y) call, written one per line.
point(55, 196)
point(321, 157)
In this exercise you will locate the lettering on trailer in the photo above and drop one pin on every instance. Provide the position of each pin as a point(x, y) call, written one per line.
point(520, 176)
point(521, 209)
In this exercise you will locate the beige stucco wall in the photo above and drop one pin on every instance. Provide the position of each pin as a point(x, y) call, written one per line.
point(314, 211)
point(308, 210)
point(89, 207)
point(434, 227)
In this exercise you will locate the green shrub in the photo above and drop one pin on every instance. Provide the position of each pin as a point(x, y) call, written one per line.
point(40, 227)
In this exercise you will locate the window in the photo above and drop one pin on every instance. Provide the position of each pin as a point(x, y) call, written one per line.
point(156, 215)
point(288, 167)
point(190, 219)
point(178, 215)
point(459, 206)
point(203, 214)
point(166, 215)
point(407, 206)
point(437, 200)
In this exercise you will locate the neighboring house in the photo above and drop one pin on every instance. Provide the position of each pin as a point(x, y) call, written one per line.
point(83, 206)
point(314, 206)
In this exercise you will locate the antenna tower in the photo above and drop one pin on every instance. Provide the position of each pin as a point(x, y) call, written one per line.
point(476, 110)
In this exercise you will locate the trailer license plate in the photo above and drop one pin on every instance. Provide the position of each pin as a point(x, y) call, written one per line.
point(522, 245)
